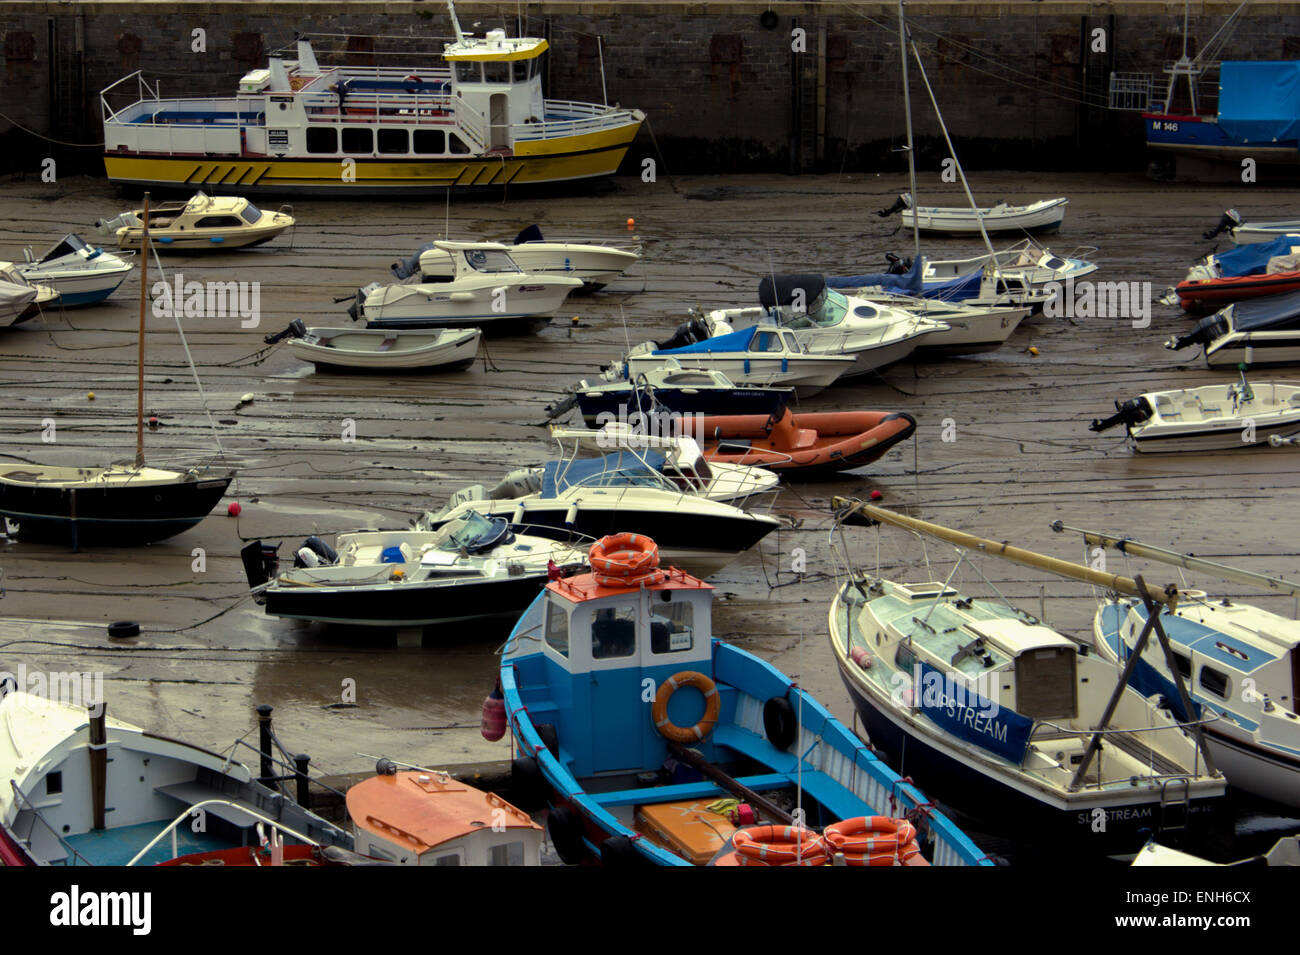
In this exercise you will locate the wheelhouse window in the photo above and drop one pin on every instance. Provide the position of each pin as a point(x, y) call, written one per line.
point(393, 141)
point(521, 70)
point(672, 626)
point(768, 341)
point(429, 141)
point(490, 260)
point(613, 632)
point(496, 72)
point(467, 71)
point(322, 139)
point(1215, 681)
point(251, 213)
point(358, 141)
point(512, 853)
point(557, 629)
point(218, 222)
point(458, 145)
point(453, 859)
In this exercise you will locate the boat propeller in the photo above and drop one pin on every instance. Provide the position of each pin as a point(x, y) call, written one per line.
point(1131, 412)
point(296, 329)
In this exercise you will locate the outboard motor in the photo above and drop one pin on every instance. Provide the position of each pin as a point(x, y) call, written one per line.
point(359, 301)
point(296, 329)
point(1206, 331)
point(1229, 220)
point(897, 266)
point(1131, 412)
point(314, 552)
point(531, 234)
point(261, 563)
point(899, 205)
point(687, 333)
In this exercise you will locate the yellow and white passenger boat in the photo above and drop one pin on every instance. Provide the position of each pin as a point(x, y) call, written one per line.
point(300, 128)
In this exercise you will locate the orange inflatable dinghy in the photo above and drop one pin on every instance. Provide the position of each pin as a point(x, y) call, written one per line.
point(800, 445)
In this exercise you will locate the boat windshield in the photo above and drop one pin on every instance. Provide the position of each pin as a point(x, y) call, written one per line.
point(251, 213)
point(490, 260)
point(825, 311)
point(467, 532)
point(69, 245)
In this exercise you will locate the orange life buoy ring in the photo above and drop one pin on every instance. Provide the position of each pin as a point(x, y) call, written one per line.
point(779, 845)
point(873, 840)
point(625, 560)
point(411, 78)
point(712, 705)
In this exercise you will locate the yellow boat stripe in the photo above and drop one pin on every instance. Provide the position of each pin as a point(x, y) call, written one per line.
point(527, 54)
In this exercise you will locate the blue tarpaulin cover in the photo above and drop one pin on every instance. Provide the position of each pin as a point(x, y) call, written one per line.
point(908, 284)
point(1259, 101)
point(1252, 259)
point(731, 342)
point(631, 470)
point(1270, 311)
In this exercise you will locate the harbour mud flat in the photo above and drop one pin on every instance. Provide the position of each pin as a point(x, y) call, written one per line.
point(1002, 446)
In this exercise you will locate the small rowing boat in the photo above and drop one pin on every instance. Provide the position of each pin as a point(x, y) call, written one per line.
point(1046, 215)
point(379, 350)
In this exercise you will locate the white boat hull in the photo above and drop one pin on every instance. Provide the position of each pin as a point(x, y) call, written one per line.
point(363, 349)
point(534, 301)
point(1045, 216)
point(807, 375)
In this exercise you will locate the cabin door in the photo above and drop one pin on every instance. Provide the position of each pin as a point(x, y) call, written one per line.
point(615, 685)
point(499, 117)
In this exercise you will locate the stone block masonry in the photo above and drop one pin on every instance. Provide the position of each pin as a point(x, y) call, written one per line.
point(1019, 83)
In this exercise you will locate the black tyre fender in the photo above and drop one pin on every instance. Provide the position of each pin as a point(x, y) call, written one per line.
point(527, 785)
point(124, 628)
point(779, 722)
point(550, 737)
point(619, 852)
point(564, 829)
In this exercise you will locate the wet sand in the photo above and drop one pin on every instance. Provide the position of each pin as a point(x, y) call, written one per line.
point(1022, 455)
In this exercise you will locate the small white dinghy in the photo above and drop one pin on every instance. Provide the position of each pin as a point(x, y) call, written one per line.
point(1248, 233)
point(1045, 215)
point(381, 349)
point(1210, 418)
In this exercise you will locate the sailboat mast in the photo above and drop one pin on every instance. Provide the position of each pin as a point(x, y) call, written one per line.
point(907, 111)
point(1124, 585)
point(139, 367)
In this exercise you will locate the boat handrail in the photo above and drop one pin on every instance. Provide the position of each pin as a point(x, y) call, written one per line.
point(185, 814)
point(1072, 731)
point(36, 815)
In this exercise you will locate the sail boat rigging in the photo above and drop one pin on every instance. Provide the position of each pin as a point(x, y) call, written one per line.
point(120, 504)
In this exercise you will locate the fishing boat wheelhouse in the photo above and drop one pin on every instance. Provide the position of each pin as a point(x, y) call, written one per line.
point(298, 127)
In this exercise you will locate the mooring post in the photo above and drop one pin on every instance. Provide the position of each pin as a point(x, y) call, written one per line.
point(300, 762)
point(97, 739)
point(264, 742)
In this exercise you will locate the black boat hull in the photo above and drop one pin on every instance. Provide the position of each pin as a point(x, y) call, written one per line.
point(608, 406)
point(1002, 809)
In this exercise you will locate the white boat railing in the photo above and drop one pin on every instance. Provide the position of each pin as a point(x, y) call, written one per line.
point(189, 811)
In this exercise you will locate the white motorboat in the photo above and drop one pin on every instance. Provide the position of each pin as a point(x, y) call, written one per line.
point(1258, 331)
point(470, 568)
point(84, 789)
point(1018, 721)
point(200, 222)
point(381, 350)
point(972, 329)
point(1045, 215)
point(751, 356)
point(44, 295)
point(1034, 263)
point(596, 264)
point(1285, 852)
point(487, 289)
point(826, 322)
point(15, 301)
point(1248, 233)
point(1209, 418)
point(82, 274)
point(643, 487)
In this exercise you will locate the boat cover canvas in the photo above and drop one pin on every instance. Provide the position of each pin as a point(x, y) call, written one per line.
point(632, 469)
point(1259, 101)
point(1266, 312)
point(731, 342)
point(409, 266)
point(1253, 259)
point(14, 297)
point(779, 290)
point(532, 233)
point(908, 284)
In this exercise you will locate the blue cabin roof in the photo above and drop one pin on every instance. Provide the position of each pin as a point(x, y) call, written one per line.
point(731, 342)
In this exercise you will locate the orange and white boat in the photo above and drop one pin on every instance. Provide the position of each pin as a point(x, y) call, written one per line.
point(801, 444)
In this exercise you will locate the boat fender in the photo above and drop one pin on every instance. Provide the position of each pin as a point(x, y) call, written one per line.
point(493, 722)
point(565, 832)
point(779, 723)
point(306, 557)
point(550, 738)
point(620, 852)
point(527, 785)
point(124, 628)
point(861, 657)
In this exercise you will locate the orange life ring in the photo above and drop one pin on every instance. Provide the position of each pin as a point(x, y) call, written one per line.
point(779, 845)
point(625, 560)
point(412, 78)
point(873, 840)
point(712, 704)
